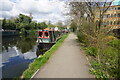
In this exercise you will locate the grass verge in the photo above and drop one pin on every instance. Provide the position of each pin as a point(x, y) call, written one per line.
point(41, 60)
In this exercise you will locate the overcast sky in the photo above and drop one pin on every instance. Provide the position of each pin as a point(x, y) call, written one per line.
point(42, 10)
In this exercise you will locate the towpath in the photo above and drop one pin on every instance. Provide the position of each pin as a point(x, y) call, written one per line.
point(67, 62)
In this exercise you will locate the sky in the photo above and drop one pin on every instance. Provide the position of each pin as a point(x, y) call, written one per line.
point(42, 10)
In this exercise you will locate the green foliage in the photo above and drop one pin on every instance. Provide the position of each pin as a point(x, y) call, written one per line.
point(42, 25)
point(41, 60)
point(115, 43)
point(116, 60)
point(33, 67)
point(51, 25)
point(4, 23)
point(96, 70)
point(92, 51)
point(99, 75)
point(81, 37)
point(23, 19)
point(25, 43)
point(104, 57)
point(101, 51)
point(108, 65)
point(8, 24)
point(1, 22)
point(61, 28)
point(22, 23)
point(110, 61)
point(73, 26)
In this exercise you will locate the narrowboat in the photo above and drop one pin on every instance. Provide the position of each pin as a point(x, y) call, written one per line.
point(48, 36)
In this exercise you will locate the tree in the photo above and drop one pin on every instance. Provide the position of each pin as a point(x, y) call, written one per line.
point(73, 26)
point(11, 25)
point(59, 24)
point(91, 32)
point(42, 25)
point(33, 25)
point(0, 24)
point(24, 19)
point(78, 10)
point(4, 23)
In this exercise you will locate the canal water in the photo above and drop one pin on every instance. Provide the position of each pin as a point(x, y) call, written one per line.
point(17, 53)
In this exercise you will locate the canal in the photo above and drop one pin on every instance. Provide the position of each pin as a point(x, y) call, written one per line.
point(17, 53)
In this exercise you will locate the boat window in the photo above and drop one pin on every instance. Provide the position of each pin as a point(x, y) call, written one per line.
point(40, 34)
point(46, 34)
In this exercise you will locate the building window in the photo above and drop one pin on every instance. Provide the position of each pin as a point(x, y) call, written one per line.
point(114, 23)
point(107, 22)
point(112, 8)
point(108, 15)
point(111, 15)
point(114, 15)
point(104, 23)
point(119, 15)
point(118, 8)
point(118, 22)
point(111, 23)
point(108, 8)
point(105, 16)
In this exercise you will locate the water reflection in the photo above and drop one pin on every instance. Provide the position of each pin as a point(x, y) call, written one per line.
point(14, 62)
point(18, 53)
point(9, 42)
point(42, 48)
point(23, 43)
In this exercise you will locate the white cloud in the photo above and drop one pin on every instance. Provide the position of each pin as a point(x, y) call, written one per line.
point(41, 10)
point(6, 5)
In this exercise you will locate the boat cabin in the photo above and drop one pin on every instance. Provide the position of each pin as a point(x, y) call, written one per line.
point(48, 36)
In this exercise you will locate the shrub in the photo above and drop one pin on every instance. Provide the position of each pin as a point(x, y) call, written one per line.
point(109, 38)
point(92, 51)
point(115, 43)
point(81, 37)
point(109, 60)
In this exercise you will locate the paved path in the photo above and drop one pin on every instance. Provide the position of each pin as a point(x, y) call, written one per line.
point(67, 62)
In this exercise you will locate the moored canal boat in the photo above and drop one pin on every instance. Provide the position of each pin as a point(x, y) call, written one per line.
point(48, 36)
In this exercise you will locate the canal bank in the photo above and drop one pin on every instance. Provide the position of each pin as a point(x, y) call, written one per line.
point(67, 62)
point(41, 60)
